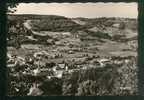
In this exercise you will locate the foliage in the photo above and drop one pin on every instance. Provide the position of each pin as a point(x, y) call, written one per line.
point(55, 25)
point(11, 5)
point(99, 34)
point(91, 81)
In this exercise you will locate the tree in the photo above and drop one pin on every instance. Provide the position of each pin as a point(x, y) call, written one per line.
point(122, 26)
point(11, 7)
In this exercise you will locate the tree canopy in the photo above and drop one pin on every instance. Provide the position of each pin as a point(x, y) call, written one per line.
point(11, 7)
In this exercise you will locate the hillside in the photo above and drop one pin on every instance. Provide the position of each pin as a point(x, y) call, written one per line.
point(69, 56)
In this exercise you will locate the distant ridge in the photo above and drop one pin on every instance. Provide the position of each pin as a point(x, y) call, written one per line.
point(42, 15)
point(34, 16)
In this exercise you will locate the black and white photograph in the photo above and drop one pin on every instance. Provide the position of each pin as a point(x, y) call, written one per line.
point(72, 49)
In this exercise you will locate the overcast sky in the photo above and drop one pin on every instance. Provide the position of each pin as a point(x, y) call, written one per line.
point(88, 10)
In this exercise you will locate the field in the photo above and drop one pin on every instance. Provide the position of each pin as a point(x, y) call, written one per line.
point(55, 55)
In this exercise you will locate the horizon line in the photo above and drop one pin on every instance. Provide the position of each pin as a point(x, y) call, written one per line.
point(77, 17)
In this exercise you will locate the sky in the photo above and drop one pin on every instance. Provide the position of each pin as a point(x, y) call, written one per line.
point(87, 10)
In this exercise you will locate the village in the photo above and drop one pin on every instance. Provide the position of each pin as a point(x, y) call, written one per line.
point(46, 61)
